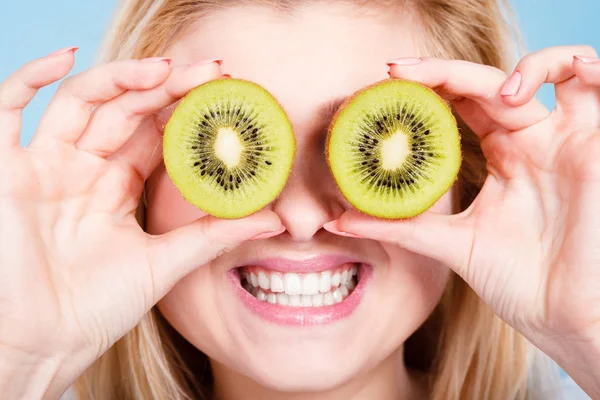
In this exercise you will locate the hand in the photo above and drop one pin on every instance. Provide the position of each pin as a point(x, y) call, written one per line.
point(529, 244)
point(76, 270)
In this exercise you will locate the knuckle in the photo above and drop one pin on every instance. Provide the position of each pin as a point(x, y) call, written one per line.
point(66, 87)
point(529, 59)
point(14, 92)
point(586, 50)
point(135, 74)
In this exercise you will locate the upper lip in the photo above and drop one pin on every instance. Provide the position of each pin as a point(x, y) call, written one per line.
point(304, 265)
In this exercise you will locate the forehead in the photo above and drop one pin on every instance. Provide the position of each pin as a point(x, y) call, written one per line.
point(307, 57)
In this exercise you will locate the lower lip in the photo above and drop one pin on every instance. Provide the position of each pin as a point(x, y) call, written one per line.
point(303, 316)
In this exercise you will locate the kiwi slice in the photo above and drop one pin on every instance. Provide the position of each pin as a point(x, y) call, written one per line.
point(229, 147)
point(394, 149)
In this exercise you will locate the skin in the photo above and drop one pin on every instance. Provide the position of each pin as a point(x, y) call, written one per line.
point(305, 79)
point(77, 272)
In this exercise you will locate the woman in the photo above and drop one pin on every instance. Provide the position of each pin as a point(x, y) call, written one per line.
point(144, 300)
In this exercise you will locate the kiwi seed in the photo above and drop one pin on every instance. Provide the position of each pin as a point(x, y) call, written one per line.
point(394, 149)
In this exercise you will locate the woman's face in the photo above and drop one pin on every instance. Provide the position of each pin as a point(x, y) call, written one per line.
point(310, 60)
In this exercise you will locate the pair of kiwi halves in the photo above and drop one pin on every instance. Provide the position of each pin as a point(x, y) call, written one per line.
point(393, 148)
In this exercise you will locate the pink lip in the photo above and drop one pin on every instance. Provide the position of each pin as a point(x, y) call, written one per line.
point(314, 264)
point(303, 316)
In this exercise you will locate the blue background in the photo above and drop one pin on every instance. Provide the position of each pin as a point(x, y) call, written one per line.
point(32, 29)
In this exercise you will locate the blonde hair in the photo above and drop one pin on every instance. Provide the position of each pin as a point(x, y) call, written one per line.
point(468, 352)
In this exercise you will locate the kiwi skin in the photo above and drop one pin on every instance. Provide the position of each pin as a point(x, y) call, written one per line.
point(332, 125)
point(211, 206)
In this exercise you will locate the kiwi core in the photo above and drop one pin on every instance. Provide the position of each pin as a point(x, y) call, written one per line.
point(394, 151)
point(228, 147)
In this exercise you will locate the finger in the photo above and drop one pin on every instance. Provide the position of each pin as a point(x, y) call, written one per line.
point(71, 108)
point(143, 152)
point(175, 254)
point(114, 122)
point(17, 91)
point(587, 70)
point(481, 84)
point(552, 65)
point(445, 238)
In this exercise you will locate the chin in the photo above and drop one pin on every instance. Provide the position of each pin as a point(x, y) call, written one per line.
point(298, 323)
point(308, 368)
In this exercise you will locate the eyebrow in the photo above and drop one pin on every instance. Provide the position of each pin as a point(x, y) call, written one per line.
point(328, 109)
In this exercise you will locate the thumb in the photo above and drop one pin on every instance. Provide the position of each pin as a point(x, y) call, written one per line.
point(177, 253)
point(445, 238)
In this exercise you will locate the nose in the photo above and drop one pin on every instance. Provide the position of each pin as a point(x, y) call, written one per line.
point(309, 199)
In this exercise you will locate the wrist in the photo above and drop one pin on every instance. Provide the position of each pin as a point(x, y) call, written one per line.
point(27, 376)
point(580, 358)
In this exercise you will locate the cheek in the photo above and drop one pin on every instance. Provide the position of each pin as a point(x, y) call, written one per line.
point(415, 282)
point(191, 309)
point(166, 208)
point(418, 280)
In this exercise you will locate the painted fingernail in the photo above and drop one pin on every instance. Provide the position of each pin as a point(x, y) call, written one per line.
point(268, 235)
point(334, 227)
point(72, 49)
point(405, 61)
point(587, 60)
point(157, 60)
point(226, 76)
point(206, 62)
point(512, 86)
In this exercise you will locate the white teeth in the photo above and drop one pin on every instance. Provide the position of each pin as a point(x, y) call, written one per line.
point(317, 300)
point(306, 300)
point(335, 279)
point(344, 276)
point(292, 284)
point(350, 284)
point(283, 299)
point(337, 296)
point(328, 300)
point(253, 279)
point(343, 290)
point(295, 300)
point(276, 283)
point(263, 280)
point(325, 282)
point(300, 290)
point(310, 284)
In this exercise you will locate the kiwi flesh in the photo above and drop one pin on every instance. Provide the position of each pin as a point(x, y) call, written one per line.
point(394, 149)
point(229, 147)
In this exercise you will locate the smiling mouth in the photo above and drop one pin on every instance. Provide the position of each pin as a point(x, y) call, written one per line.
point(313, 289)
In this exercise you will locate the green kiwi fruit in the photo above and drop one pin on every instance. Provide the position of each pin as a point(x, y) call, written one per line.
point(394, 149)
point(229, 148)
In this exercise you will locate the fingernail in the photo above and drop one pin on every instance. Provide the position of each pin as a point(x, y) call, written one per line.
point(333, 227)
point(227, 76)
point(157, 60)
point(268, 235)
point(587, 60)
point(511, 87)
point(405, 61)
point(206, 62)
point(65, 50)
